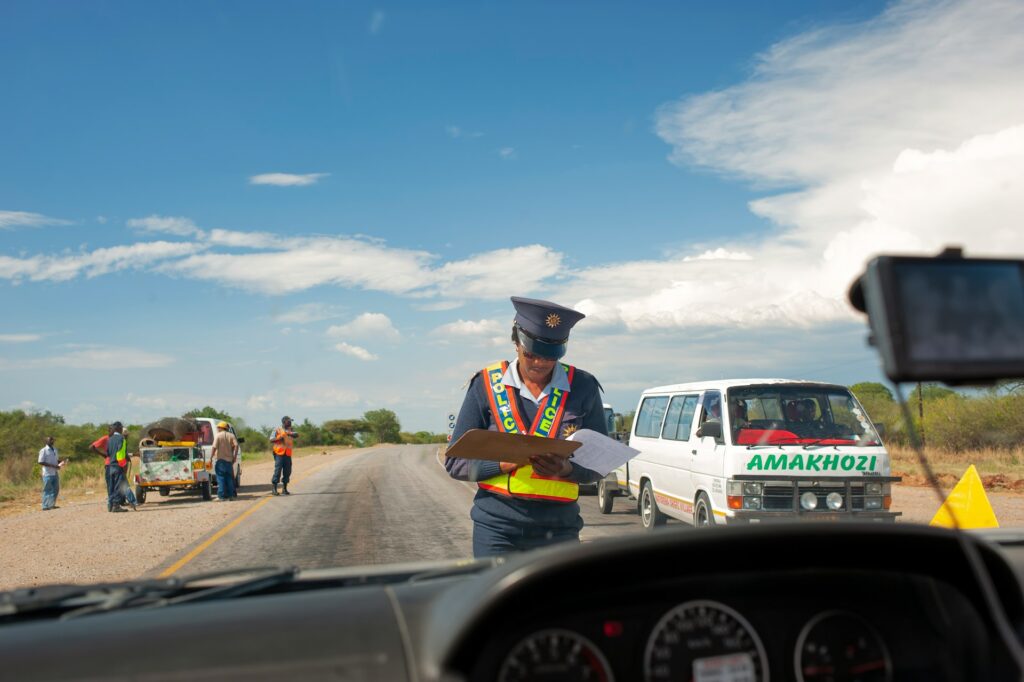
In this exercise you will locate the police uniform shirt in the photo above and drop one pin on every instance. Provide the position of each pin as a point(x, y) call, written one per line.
point(584, 409)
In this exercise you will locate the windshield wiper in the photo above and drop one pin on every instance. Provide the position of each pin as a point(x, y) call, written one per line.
point(817, 443)
point(177, 591)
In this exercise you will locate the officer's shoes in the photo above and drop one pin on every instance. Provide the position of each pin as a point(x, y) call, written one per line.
point(118, 509)
point(285, 491)
point(274, 491)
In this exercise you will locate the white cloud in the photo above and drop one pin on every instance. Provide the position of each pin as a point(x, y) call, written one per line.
point(490, 332)
point(247, 240)
point(307, 262)
point(182, 227)
point(98, 358)
point(320, 396)
point(476, 276)
point(287, 179)
point(902, 133)
point(355, 351)
point(9, 219)
point(372, 326)
point(261, 403)
point(507, 153)
point(376, 22)
point(91, 263)
point(307, 313)
point(455, 132)
point(19, 338)
point(438, 306)
point(838, 100)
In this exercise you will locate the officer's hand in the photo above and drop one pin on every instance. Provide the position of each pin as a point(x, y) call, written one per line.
point(551, 465)
point(508, 467)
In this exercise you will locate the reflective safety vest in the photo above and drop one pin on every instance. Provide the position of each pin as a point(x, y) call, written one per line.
point(283, 446)
point(122, 454)
point(524, 482)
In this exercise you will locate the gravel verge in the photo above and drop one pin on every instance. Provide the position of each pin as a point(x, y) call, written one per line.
point(80, 542)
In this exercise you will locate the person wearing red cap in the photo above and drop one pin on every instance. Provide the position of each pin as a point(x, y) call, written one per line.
point(521, 508)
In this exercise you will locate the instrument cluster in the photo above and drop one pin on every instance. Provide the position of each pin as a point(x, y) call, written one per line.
point(756, 627)
point(707, 641)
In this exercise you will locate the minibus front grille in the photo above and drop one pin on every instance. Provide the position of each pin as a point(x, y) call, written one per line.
point(778, 496)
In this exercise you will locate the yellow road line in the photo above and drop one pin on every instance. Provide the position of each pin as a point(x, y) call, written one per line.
point(177, 565)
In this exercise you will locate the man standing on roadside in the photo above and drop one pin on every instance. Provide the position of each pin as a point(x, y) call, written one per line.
point(224, 454)
point(116, 453)
point(51, 466)
point(99, 446)
point(283, 440)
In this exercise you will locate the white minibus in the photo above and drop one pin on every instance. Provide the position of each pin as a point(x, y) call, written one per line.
point(751, 451)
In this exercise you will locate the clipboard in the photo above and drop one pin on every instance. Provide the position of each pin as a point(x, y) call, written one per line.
point(495, 446)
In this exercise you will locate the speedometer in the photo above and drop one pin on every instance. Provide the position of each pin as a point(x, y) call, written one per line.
point(836, 645)
point(704, 641)
point(557, 656)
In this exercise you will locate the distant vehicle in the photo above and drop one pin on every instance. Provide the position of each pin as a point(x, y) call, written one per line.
point(208, 428)
point(171, 465)
point(782, 449)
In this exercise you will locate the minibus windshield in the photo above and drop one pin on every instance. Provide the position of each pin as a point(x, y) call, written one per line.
point(798, 415)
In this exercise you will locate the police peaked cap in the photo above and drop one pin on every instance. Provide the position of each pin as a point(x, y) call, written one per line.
point(544, 319)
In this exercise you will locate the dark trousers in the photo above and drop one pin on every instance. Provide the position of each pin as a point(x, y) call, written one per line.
point(495, 539)
point(282, 464)
point(115, 479)
point(225, 472)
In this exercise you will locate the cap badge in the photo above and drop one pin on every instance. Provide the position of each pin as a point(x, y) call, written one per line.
point(568, 430)
point(553, 320)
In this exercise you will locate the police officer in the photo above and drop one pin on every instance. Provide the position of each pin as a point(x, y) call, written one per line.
point(521, 508)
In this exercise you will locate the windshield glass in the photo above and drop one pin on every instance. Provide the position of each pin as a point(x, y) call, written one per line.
point(374, 239)
point(791, 415)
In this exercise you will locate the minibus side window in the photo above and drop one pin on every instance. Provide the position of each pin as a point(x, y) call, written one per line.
point(648, 419)
point(679, 419)
point(711, 410)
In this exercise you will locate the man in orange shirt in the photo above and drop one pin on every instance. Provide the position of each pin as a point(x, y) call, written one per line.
point(282, 442)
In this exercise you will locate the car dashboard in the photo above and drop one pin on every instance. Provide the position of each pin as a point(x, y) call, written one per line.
point(802, 602)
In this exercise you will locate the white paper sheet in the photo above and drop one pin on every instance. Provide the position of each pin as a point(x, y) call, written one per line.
point(599, 452)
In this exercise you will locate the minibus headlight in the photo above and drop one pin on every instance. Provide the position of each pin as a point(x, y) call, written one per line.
point(873, 489)
point(752, 502)
point(734, 488)
point(834, 501)
point(752, 488)
point(809, 501)
point(872, 503)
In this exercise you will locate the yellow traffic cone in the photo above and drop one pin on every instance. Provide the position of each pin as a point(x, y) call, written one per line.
point(970, 504)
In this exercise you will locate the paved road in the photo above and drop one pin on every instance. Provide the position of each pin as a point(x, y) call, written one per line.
point(337, 516)
point(394, 504)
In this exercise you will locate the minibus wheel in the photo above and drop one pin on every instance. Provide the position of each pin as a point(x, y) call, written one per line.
point(650, 516)
point(604, 499)
point(164, 491)
point(702, 514)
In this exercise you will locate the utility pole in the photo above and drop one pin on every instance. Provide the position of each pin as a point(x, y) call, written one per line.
point(920, 410)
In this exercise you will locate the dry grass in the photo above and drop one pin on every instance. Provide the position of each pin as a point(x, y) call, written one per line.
point(1000, 469)
point(20, 479)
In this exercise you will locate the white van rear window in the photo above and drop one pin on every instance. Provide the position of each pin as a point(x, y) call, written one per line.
point(648, 419)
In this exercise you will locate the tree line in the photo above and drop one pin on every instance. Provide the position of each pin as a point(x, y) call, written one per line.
point(22, 435)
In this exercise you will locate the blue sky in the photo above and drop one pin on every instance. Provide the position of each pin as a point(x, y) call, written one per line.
point(322, 208)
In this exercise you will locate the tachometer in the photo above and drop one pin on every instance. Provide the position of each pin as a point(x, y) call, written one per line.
point(836, 646)
point(556, 656)
point(703, 641)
